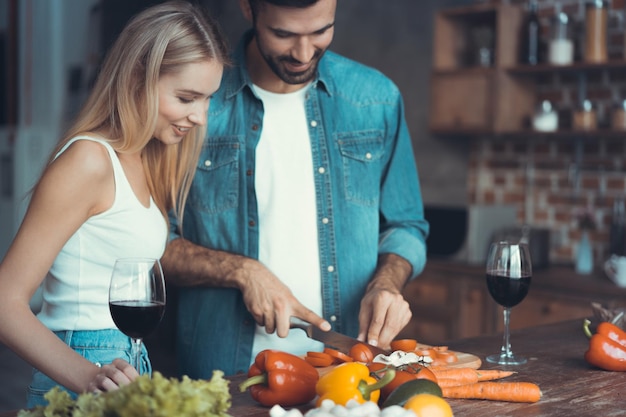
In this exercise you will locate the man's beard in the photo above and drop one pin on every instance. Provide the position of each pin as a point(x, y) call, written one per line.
point(289, 77)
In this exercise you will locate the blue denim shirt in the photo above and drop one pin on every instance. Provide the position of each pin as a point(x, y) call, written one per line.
point(368, 202)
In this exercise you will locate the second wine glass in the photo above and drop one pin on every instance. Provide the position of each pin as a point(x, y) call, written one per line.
point(137, 300)
point(509, 271)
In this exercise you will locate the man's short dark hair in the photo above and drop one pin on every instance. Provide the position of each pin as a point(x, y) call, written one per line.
point(255, 5)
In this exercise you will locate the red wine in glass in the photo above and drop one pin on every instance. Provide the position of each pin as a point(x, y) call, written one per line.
point(137, 300)
point(507, 291)
point(136, 318)
point(508, 277)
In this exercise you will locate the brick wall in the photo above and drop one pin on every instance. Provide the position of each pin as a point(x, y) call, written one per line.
point(555, 179)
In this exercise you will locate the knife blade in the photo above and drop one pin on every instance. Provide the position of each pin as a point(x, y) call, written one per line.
point(333, 339)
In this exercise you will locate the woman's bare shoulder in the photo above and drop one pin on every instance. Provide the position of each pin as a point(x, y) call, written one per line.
point(88, 158)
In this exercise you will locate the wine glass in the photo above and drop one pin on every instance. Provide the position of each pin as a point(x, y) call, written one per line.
point(508, 278)
point(137, 300)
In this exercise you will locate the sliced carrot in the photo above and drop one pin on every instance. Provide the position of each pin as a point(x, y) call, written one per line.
point(339, 356)
point(525, 392)
point(319, 362)
point(405, 345)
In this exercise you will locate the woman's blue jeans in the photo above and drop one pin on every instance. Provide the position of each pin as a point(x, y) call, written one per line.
point(97, 346)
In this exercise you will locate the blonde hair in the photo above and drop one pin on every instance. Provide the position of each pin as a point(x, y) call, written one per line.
point(123, 104)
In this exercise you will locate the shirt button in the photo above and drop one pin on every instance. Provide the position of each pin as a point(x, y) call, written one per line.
point(249, 172)
point(207, 163)
point(368, 156)
point(321, 170)
point(255, 127)
point(313, 123)
point(252, 223)
point(333, 318)
point(325, 220)
point(331, 268)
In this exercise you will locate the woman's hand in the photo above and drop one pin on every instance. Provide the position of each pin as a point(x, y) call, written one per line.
point(112, 376)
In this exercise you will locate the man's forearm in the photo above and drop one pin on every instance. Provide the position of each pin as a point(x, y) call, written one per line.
point(392, 273)
point(187, 264)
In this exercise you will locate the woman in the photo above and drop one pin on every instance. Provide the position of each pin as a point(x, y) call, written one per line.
point(123, 165)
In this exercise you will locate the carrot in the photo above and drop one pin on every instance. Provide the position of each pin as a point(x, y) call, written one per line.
point(452, 382)
point(524, 392)
point(456, 376)
point(469, 375)
point(491, 374)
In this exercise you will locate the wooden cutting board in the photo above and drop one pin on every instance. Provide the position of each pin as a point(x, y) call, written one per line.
point(465, 360)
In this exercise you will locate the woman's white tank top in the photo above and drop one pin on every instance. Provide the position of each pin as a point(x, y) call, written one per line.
point(75, 290)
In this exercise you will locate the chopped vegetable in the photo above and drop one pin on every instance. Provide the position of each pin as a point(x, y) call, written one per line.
point(319, 362)
point(526, 392)
point(281, 378)
point(400, 358)
point(340, 357)
point(360, 352)
point(406, 345)
point(319, 359)
point(351, 381)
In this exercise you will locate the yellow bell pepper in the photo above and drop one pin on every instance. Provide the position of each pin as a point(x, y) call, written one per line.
point(351, 381)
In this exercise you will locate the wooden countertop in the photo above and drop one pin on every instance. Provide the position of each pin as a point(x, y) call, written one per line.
point(570, 386)
point(562, 278)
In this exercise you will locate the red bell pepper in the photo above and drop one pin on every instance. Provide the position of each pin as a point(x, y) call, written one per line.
point(607, 347)
point(280, 378)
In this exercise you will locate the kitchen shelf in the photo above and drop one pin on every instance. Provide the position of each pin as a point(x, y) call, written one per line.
point(499, 100)
point(564, 134)
point(577, 67)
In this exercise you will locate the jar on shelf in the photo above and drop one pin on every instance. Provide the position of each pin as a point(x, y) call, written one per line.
point(561, 45)
point(546, 118)
point(618, 116)
point(596, 23)
point(585, 117)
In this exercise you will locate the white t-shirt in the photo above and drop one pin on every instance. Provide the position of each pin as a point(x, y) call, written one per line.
point(76, 289)
point(285, 191)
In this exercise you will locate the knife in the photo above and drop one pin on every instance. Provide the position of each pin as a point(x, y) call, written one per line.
point(333, 339)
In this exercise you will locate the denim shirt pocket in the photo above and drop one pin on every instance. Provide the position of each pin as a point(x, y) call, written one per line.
point(361, 154)
point(215, 186)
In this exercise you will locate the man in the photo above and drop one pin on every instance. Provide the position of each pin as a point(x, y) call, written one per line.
point(306, 202)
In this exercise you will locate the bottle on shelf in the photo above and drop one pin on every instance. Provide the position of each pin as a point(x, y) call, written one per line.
point(530, 36)
point(561, 46)
point(618, 229)
point(585, 116)
point(596, 21)
point(546, 118)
